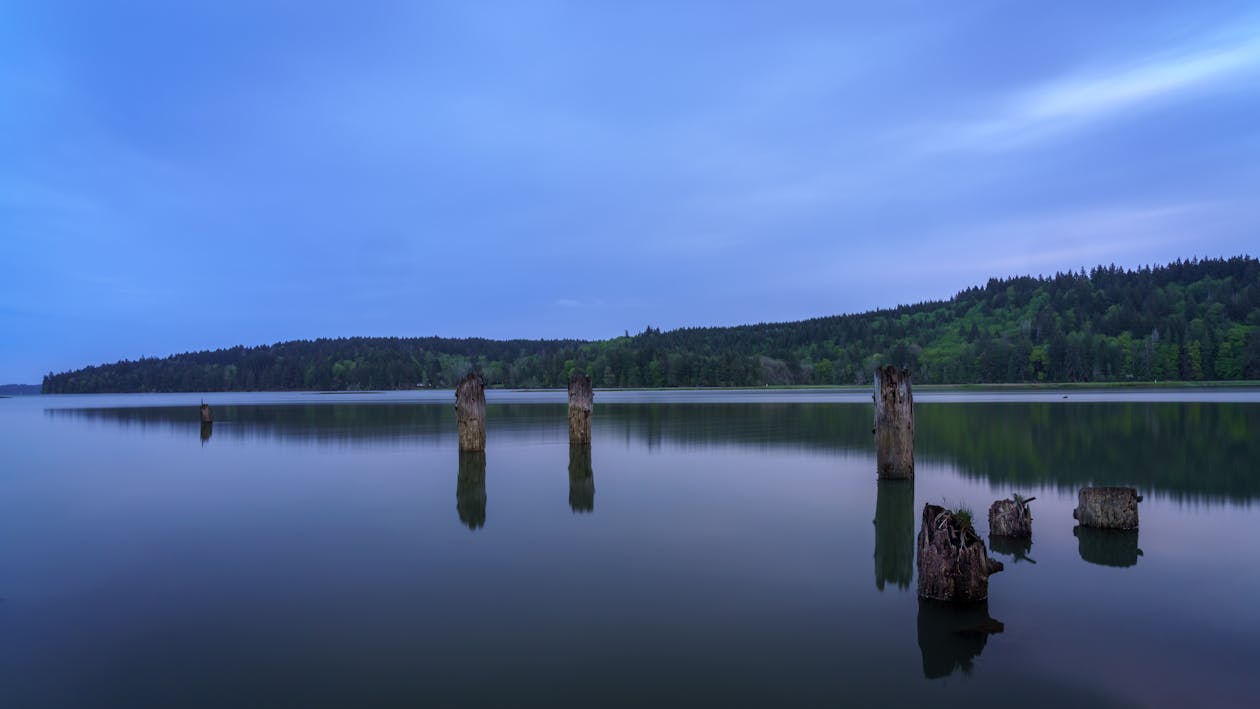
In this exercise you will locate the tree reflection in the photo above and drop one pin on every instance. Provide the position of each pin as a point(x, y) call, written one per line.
point(581, 479)
point(1108, 547)
point(470, 489)
point(952, 635)
point(894, 533)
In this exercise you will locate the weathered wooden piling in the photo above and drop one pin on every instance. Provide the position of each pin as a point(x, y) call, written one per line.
point(953, 563)
point(581, 479)
point(1011, 518)
point(581, 405)
point(894, 423)
point(894, 533)
point(207, 416)
point(470, 489)
point(1107, 547)
point(470, 412)
point(1108, 507)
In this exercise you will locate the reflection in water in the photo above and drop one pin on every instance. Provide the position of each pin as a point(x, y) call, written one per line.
point(1108, 547)
point(581, 479)
point(1181, 450)
point(894, 533)
point(207, 430)
point(470, 489)
point(1015, 547)
point(951, 635)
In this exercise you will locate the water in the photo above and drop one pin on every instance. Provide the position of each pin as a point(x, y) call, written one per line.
point(716, 548)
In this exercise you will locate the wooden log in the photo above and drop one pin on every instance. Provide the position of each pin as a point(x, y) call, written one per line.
point(894, 423)
point(1108, 507)
point(470, 412)
point(1107, 547)
point(581, 479)
point(207, 416)
point(894, 533)
point(470, 489)
point(953, 563)
point(1011, 518)
point(951, 635)
point(581, 405)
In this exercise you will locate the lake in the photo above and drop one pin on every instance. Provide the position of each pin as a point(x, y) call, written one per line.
point(719, 548)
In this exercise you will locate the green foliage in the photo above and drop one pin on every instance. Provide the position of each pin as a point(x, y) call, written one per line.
point(1189, 320)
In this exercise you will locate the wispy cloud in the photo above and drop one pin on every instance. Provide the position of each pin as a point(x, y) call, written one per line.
point(1076, 101)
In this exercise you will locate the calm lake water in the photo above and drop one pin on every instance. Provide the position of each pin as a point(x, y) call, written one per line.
point(719, 548)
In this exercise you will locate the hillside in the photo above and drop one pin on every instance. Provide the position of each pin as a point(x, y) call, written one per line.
point(1189, 320)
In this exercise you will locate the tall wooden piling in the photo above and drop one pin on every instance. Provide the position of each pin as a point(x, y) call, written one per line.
point(207, 416)
point(470, 412)
point(894, 423)
point(581, 404)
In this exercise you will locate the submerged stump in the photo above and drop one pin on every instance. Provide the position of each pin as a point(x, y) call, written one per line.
point(894, 423)
point(1108, 507)
point(581, 404)
point(470, 412)
point(953, 563)
point(1011, 518)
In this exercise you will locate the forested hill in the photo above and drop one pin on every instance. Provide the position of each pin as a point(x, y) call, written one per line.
point(1189, 320)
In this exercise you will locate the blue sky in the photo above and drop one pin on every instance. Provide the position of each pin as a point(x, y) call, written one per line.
point(193, 175)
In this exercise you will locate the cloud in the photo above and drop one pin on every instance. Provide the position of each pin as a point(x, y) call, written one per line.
point(1077, 101)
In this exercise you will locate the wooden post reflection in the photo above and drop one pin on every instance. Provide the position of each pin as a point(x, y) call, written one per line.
point(581, 479)
point(894, 533)
point(470, 489)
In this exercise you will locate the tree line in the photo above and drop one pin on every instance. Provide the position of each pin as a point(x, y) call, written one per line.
point(1189, 320)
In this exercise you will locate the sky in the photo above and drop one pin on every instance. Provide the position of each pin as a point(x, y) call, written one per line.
point(195, 175)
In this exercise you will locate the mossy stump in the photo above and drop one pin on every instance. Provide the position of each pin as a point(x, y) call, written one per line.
point(581, 405)
point(894, 423)
point(1011, 518)
point(470, 412)
point(953, 563)
point(1108, 507)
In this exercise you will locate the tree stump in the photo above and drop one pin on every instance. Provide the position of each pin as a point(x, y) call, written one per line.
point(207, 416)
point(953, 563)
point(1011, 518)
point(470, 412)
point(1108, 507)
point(1107, 547)
point(470, 489)
point(894, 533)
point(894, 423)
point(581, 404)
point(581, 479)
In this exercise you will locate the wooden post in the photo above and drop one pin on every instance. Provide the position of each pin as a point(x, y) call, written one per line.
point(1108, 507)
point(953, 562)
point(1011, 518)
point(470, 489)
point(581, 404)
point(207, 416)
point(894, 423)
point(470, 412)
point(894, 533)
point(581, 479)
